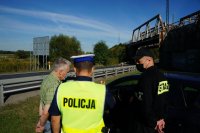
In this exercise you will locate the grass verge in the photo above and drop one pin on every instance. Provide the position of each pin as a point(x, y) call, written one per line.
point(20, 117)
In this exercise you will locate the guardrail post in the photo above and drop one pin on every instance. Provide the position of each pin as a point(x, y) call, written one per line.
point(115, 71)
point(123, 70)
point(93, 76)
point(134, 68)
point(1, 96)
point(106, 72)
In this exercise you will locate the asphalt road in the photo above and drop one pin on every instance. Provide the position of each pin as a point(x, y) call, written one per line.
point(20, 75)
point(29, 74)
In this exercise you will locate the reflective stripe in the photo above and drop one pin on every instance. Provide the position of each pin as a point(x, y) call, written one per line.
point(91, 130)
point(163, 87)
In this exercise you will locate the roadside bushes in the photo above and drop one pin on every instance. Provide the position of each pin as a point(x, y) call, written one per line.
point(14, 65)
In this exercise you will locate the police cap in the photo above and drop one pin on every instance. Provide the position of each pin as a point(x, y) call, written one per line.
point(83, 58)
point(142, 52)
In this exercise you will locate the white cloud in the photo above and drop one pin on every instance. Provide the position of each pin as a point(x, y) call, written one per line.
point(28, 21)
point(60, 18)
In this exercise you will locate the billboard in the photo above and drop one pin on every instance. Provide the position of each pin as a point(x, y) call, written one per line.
point(41, 45)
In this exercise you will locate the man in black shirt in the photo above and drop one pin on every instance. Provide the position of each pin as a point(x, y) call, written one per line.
point(152, 89)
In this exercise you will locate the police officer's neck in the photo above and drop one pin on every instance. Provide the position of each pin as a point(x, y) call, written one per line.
point(84, 73)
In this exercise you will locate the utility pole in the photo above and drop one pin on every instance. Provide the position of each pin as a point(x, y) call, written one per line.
point(30, 61)
point(167, 14)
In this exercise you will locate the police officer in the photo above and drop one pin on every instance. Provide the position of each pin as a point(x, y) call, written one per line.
point(79, 104)
point(151, 93)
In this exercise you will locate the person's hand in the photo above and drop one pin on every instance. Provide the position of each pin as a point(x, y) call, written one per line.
point(160, 125)
point(39, 128)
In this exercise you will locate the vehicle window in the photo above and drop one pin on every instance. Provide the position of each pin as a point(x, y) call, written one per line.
point(175, 95)
point(123, 90)
point(127, 83)
point(192, 96)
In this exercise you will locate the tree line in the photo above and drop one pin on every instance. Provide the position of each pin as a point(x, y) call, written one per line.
point(63, 46)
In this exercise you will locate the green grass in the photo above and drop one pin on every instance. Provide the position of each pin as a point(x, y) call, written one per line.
point(22, 117)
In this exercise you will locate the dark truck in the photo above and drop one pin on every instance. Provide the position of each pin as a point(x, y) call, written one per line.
point(181, 47)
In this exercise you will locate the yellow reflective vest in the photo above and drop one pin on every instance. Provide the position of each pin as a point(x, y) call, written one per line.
point(81, 104)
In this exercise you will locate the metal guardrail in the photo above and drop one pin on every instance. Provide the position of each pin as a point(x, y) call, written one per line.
point(17, 85)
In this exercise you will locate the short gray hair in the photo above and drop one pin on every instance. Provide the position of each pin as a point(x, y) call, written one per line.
point(60, 63)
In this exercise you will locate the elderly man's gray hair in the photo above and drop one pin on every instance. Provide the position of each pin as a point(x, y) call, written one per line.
point(60, 63)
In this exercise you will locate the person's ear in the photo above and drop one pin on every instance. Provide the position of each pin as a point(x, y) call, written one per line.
point(75, 70)
point(92, 69)
point(148, 58)
point(59, 73)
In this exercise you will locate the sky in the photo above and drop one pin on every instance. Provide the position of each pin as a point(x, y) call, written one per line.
point(90, 21)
